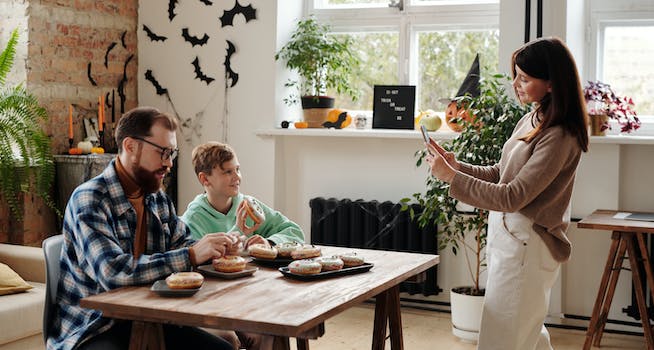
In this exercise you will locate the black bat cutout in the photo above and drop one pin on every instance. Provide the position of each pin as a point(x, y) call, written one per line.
point(149, 77)
point(198, 72)
point(194, 40)
point(227, 19)
point(121, 85)
point(152, 35)
point(122, 39)
point(206, 2)
point(338, 124)
point(106, 54)
point(229, 73)
point(171, 9)
point(88, 75)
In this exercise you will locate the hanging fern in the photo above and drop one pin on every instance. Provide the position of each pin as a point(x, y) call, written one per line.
point(26, 161)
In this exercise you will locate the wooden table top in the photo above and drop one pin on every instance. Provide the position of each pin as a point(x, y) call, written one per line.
point(266, 302)
point(603, 220)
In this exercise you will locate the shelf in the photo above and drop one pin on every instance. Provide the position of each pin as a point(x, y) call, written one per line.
point(415, 134)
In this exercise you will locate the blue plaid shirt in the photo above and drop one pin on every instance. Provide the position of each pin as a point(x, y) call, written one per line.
point(98, 229)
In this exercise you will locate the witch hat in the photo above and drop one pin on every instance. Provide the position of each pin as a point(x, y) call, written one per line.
point(470, 84)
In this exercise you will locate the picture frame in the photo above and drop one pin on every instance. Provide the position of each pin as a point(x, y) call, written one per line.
point(91, 129)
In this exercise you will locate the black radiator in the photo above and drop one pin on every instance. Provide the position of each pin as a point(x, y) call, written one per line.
point(374, 225)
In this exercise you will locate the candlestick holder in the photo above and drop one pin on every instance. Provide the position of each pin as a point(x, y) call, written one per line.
point(70, 142)
point(101, 137)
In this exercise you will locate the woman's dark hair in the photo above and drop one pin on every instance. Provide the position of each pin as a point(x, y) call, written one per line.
point(549, 59)
point(138, 122)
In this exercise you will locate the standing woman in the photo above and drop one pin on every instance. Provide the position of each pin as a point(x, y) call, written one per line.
point(528, 194)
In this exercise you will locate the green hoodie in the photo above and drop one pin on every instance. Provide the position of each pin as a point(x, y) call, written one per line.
point(202, 218)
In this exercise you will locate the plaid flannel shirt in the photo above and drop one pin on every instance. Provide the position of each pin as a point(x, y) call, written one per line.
point(97, 254)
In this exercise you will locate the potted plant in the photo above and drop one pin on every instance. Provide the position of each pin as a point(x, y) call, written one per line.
point(26, 161)
point(464, 230)
point(603, 104)
point(323, 61)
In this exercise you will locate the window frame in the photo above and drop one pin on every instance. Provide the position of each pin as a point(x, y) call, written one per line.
point(465, 15)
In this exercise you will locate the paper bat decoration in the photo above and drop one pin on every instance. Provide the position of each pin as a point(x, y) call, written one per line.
point(227, 19)
point(121, 85)
point(207, 2)
point(152, 35)
point(199, 74)
point(88, 75)
point(149, 77)
point(229, 73)
point(171, 9)
point(106, 54)
point(122, 39)
point(194, 40)
point(338, 123)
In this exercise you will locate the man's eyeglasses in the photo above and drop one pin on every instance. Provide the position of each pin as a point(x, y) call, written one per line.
point(166, 153)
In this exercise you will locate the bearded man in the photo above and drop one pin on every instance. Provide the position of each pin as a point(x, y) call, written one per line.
point(120, 229)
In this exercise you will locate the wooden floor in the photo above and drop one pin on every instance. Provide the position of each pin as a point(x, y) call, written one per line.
point(352, 329)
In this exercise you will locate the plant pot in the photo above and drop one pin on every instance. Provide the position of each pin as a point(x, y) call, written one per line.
point(466, 314)
point(316, 109)
point(596, 122)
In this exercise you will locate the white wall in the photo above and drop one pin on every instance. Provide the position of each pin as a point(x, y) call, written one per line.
point(251, 104)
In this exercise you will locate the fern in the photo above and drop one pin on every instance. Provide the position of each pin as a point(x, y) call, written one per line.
point(26, 161)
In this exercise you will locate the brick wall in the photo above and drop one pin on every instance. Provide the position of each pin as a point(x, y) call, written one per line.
point(60, 38)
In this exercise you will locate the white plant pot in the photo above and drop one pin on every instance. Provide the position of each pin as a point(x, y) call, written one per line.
point(466, 315)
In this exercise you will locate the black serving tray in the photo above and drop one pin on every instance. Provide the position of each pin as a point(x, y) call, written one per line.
point(327, 274)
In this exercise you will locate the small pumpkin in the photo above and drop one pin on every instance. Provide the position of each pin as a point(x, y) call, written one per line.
point(97, 150)
point(301, 125)
point(338, 119)
point(75, 151)
point(453, 113)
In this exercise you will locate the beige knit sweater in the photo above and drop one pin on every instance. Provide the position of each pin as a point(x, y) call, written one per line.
point(532, 178)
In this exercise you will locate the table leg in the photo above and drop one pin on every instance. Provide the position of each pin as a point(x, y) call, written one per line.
point(647, 263)
point(381, 318)
point(613, 282)
point(395, 318)
point(281, 343)
point(594, 320)
point(302, 344)
point(146, 335)
point(640, 295)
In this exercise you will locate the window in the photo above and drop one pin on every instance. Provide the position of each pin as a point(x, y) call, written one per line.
point(620, 51)
point(430, 44)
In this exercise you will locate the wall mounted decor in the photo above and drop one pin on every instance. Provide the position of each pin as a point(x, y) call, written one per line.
point(227, 19)
point(152, 35)
point(230, 75)
point(194, 40)
point(88, 75)
point(106, 54)
point(159, 89)
point(171, 9)
point(198, 72)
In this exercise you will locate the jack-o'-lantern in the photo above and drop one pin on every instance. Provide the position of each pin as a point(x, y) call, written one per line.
point(454, 113)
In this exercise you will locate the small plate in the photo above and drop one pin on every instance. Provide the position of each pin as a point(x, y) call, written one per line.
point(327, 274)
point(208, 270)
point(160, 287)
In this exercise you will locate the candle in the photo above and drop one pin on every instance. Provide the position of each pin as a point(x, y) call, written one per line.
point(100, 107)
point(70, 122)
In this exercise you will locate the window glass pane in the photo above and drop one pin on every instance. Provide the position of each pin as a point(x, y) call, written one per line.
point(379, 55)
point(451, 2)
point(326, 4)
point(444, 59)
point(627, 64)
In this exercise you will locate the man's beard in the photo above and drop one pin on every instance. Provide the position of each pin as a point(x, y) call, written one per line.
point(147, 180)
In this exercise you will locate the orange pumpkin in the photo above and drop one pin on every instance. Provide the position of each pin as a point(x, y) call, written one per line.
point(333, 115)
point(97, 150)
point(75, 151)
point(453, 111)
point(301, 125)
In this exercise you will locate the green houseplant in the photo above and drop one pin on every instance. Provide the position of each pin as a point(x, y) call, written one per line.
point(26, 161)
point(480, 142)
point(322, 61)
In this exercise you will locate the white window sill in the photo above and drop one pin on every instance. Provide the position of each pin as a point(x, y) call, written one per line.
point(414, 134)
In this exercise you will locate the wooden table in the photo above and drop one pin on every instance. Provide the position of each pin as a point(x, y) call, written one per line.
point(628, 237)
point(270, 303)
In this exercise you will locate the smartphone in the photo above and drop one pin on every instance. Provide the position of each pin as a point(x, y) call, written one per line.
point(425, 135)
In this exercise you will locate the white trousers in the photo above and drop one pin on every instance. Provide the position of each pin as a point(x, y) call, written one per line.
point(521, 272)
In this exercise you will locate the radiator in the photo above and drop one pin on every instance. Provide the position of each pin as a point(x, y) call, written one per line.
point(374, 225)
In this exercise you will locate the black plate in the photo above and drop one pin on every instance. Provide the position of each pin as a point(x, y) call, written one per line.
point(160, 287)
point(208, 270)
point(277, 262)
point(327, 274)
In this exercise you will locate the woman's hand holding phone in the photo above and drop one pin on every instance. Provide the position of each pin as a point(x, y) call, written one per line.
point(443, 163)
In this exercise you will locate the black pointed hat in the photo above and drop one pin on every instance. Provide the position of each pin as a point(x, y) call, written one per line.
point(470, 84)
